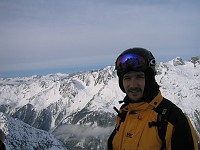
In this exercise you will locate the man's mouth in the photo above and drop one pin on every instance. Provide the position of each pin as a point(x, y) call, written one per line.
point(134, 91)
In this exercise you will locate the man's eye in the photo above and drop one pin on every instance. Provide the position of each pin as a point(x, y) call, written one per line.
point(126, 78)
point(141, 77)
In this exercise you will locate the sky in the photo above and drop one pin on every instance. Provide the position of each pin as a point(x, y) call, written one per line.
point(39, 37)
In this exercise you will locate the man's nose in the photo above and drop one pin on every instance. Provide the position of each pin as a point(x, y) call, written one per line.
point(133, 82)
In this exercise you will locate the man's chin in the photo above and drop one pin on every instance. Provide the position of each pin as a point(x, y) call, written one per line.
point(135, 98)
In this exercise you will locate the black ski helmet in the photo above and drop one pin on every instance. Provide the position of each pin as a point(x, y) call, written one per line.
point(137, 59)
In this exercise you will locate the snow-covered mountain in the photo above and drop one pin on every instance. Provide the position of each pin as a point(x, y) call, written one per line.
point(21, 136)
point(78, 108)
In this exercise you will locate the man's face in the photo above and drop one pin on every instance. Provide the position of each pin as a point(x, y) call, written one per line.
point(134, 83)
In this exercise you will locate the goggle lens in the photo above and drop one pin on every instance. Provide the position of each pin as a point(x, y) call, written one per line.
point(130, 61)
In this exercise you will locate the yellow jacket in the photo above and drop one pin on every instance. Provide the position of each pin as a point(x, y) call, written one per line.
point(134, 133)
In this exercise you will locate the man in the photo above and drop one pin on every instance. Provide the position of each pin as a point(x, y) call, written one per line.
point(147, 120)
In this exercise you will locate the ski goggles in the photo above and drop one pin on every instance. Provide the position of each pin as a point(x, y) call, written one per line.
point(131, 62)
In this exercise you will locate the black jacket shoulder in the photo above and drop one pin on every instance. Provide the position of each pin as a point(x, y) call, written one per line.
point(173, 112)
point(2, 146)
point(182, 138)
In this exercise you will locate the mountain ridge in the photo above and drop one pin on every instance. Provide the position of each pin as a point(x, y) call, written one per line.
point(85, 100)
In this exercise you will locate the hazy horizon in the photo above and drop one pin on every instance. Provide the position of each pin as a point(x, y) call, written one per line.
point(42, 37)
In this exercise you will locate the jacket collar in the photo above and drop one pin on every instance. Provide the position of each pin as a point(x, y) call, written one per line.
point(144, 105)
point(157, 100)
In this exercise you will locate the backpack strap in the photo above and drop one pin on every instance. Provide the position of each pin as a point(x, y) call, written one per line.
point(122, 116)
point(162, 127)
point(161, 123)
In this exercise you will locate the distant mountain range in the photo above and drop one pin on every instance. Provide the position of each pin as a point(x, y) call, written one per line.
point(75, 111)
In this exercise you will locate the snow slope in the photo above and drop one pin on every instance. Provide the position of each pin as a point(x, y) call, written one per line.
point(21, 136)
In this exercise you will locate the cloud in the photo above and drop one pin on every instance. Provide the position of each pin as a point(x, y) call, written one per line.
point(66, 131)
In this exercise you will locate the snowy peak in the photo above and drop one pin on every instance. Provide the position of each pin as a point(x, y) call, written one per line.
point(178, 61)
point(195, 60)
